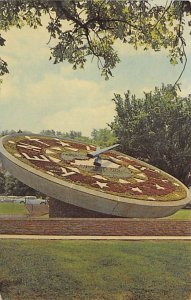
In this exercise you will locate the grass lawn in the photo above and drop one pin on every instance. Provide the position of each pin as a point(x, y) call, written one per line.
point(12, 209)
point(84, 270)
point(182, 214)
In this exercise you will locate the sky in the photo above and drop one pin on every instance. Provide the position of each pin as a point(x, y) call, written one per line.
point(38, 95)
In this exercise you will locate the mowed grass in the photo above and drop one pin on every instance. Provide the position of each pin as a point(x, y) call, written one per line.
point(182, 214)
point(12, 209)
point(84, 270)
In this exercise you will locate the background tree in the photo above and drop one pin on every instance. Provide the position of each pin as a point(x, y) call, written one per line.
point(2, 183)
point(156, 129)
point(50, 132)
point(90, 28)
point(74, 135)
point(103, 137)
point(15, 187)
point(6, 132)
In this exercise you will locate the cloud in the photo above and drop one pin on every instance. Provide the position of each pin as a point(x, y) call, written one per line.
point(55, 90)
point(185, 92)
point(26, 43)
point(7, 90)
point(82, 119)
point(37, 94)
point(70, 104)
point(127, 50)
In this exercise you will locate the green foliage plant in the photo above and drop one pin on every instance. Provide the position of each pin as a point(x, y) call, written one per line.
point(103, 137)
point(2, 183)
point(156, 129)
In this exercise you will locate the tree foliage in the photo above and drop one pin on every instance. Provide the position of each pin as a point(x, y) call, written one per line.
point(103, 137)
point(74, 135)
point(156, 129)
point(90, 28)
point(13, 186)
point(2, 183)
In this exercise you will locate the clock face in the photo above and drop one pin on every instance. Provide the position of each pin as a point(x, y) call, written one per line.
point(119, 174)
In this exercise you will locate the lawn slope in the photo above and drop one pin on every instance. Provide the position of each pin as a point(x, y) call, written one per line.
point(113, 270)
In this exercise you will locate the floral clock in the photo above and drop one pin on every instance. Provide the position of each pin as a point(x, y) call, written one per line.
point(66, 170)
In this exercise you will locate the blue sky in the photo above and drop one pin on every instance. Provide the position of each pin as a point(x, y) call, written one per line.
point(39, 95)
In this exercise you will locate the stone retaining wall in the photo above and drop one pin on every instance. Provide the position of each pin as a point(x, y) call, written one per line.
point(97, 227)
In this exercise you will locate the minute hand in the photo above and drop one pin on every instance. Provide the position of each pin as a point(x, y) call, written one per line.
point(100, 151)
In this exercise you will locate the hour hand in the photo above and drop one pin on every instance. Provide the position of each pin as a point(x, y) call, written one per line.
point(100, 151)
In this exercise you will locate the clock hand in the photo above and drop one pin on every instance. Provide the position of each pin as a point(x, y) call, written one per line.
point(96, 154)
point(100, 151)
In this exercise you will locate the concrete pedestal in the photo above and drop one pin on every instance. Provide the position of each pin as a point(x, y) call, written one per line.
point(60, 209)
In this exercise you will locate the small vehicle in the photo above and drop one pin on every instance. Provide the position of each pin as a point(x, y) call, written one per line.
point(30, 200)
point(35, 201)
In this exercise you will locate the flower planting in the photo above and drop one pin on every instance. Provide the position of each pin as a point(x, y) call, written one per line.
point(119, 174)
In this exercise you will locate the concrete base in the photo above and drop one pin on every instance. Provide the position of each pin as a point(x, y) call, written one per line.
point(60, 209)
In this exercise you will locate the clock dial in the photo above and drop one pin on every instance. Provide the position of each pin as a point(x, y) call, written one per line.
point(118, 175)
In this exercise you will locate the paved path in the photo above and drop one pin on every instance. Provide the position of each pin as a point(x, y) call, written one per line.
point(73, 237)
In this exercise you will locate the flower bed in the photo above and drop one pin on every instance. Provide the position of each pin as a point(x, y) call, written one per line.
point(119, 175)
